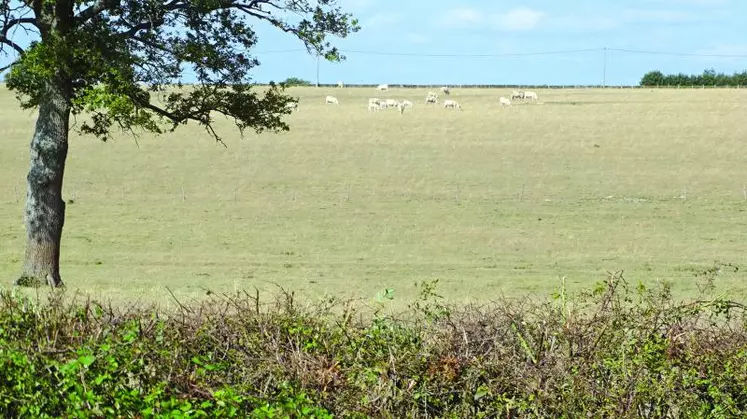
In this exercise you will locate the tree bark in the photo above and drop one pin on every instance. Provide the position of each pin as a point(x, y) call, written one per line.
point(45, 210)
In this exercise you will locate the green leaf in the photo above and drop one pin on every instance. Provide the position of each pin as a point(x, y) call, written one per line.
point(86, 360)
point(481, 392)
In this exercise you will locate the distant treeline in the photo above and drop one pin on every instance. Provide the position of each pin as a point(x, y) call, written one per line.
point(708, 78)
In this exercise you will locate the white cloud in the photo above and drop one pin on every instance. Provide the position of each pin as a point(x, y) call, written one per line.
point(573, 23)
point(658, 16)
point(699, 3)
point(709, 3)
point(465, 16)
point(519, 19)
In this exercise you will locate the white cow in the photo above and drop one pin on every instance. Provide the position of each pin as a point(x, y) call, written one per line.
point(531, 96)
point(431, 98)
point(504, 101)
point(399, 105)
point(382, 87)
point(453, 104)
point(331, 100)
point(446, 90)
point(391, 103)
point(340, 84)
point(374, 104)
point(517, 94)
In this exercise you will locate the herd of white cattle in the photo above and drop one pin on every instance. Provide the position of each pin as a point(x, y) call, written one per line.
point(432, 98)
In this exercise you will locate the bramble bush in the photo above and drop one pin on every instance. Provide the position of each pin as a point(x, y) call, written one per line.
point(614, 351)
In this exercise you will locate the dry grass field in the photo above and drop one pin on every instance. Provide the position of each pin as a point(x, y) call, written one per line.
point(492, 201)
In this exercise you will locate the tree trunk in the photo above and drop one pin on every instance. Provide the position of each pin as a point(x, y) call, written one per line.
point(45, 209)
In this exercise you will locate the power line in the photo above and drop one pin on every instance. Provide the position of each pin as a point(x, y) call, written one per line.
point(514, 54)
point(456, 55)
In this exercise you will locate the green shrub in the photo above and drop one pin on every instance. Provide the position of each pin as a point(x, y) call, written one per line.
point(295, 81)
point(708, 78)
point(614, 351)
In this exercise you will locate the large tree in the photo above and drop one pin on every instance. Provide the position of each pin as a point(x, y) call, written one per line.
point(107, 60)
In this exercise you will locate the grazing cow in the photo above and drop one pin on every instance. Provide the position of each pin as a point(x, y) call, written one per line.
point(391, 103)
point(504, 101)
point(531, 96)
point(517, 94)
point(374, 104)
point(453, 104)
point(431, 99)
point(331, 100)
point(445, 90)
point(382, 87)
point(401, 107)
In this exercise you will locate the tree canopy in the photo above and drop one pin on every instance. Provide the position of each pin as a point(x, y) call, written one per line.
point(115, 62)
point(117, 53)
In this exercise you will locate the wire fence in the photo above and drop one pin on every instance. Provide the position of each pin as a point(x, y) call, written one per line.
point(521, 86)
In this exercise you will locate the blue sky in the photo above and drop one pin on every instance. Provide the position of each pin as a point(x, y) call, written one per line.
point(498, 27)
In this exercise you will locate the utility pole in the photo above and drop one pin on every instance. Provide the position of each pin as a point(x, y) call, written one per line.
point(604, 69)
point(317, 70)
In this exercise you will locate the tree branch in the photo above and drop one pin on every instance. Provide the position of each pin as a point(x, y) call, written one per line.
point(266, 17)
point(164, 113)
point(211, 131)
point(252, 8)
point(94, 10)
point(144, 26)
point(7, 66)
point(178, 120)
point(18, 21)
point(5, 40)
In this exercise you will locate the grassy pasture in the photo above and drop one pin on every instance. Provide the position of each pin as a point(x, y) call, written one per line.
point(493, 201)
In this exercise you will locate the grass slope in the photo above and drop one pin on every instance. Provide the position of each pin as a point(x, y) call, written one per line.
point(490, 200)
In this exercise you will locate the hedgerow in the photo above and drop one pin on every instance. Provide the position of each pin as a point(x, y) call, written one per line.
point(614, 351)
